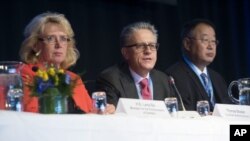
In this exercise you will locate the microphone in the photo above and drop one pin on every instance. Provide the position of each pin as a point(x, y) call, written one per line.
point(172, 82)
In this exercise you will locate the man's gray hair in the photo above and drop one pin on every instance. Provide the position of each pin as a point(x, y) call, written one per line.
point(130, 29)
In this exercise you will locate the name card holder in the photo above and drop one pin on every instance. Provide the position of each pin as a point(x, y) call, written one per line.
point(232, 111)
point(140, 107)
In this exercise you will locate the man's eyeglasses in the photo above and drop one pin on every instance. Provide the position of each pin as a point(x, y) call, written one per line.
point(139, 47)
point(206, 41)
point(52, 39)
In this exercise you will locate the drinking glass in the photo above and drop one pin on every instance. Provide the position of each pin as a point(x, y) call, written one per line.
point(203, 107)
point(172, 105)
point(99, 102)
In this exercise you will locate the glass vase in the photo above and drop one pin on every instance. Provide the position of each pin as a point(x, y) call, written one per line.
point(53, 104)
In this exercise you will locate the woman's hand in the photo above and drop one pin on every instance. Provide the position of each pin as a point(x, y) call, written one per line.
point(110, 109)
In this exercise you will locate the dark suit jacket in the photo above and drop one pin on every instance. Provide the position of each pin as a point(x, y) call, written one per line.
point(192, 90)
point(117, 82)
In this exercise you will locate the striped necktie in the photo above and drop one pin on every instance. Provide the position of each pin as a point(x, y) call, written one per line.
point(207, 86)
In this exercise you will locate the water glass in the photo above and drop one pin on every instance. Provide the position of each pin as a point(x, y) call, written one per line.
point(203, 107)
point(172, 105)
point(99, 102)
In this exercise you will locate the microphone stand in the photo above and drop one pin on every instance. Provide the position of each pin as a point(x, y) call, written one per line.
point(177, 92)
point(184, 113)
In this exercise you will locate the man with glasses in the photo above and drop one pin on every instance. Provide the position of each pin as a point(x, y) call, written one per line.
point(194, 80)
point(136, 76)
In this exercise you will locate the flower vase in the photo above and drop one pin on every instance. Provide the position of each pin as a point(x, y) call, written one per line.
point(53, 104)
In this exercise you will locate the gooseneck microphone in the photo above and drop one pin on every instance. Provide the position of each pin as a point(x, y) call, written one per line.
point(172, 82)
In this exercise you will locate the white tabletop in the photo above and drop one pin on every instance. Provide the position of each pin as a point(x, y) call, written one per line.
point(15, 126)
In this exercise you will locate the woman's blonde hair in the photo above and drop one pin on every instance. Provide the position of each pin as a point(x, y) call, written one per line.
point(36, 28)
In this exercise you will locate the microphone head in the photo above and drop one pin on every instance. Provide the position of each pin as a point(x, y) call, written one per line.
point(171, 79)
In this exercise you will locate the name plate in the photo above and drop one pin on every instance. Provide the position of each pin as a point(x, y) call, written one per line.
point(140, 107)
point(232, 111)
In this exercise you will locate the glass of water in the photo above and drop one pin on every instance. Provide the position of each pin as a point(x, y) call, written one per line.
point(203, 107)
point(172, 105)
point(99, 102)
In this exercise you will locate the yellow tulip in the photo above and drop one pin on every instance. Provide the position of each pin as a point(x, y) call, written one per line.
point(51, 71)
point(39, 73)
point(61, 71)
point(45, 76)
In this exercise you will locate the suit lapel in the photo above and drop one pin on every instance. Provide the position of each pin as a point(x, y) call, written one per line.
point(196, 81)
point(215, 85)
point(128, 84)
point(157, 89)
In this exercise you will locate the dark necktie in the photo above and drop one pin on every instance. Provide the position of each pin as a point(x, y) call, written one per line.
point(145, 92)
point(207, 86)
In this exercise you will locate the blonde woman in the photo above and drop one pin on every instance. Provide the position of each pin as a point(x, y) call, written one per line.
point(49, 39)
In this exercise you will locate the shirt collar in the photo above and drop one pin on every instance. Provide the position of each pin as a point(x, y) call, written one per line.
point(137, 78)
point(193, 67)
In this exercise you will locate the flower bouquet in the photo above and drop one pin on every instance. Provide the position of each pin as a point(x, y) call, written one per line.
point(53, 87)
